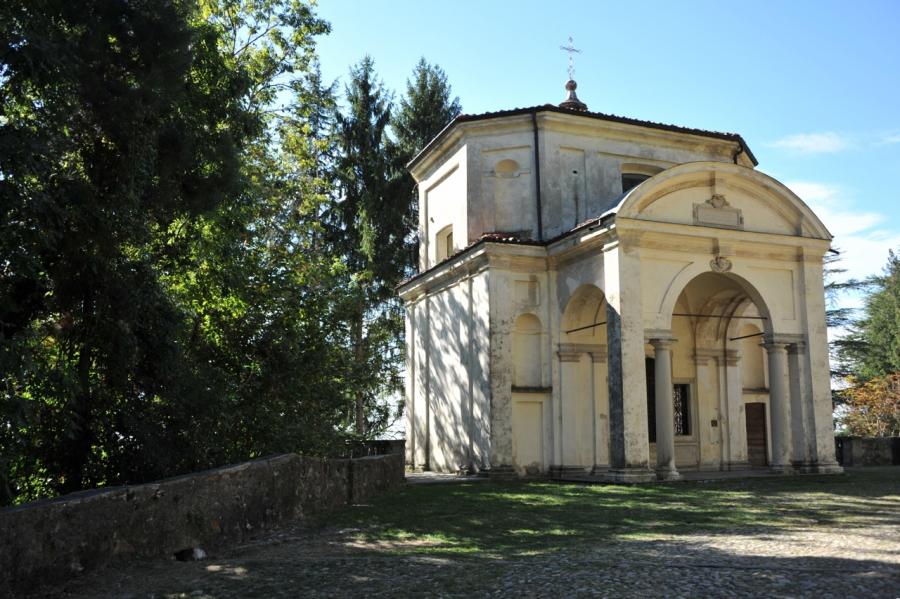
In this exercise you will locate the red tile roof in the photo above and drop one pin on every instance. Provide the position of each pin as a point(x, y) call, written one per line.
point(466, 118)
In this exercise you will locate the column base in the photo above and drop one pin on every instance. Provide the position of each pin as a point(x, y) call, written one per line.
point(825, 468)
point(630, 475)
point(502, 473)
point(667, 474)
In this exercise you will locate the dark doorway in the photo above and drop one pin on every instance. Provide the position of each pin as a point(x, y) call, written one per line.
point(756, 434)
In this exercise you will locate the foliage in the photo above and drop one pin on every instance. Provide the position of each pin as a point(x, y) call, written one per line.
point(872, 408)
point(165, 303)
point(103, 144)
point(868, 358)
point(199, 250)
point(838, 317)
point(424, 111)
point(366, 227)
point(873, 345)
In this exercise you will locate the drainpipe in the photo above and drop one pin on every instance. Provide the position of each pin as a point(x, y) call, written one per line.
point(537, 176)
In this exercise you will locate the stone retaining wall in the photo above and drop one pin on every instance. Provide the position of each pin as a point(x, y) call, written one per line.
point(857, 451)
point(53, 540)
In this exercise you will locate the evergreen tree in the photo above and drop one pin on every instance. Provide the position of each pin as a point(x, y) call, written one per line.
point(368, 229)
point(872, 349)
point(427, 107)
point(102, 143)
point(165, 304)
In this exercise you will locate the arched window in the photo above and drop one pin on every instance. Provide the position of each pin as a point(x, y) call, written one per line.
point(635, 174)
point(444, 243)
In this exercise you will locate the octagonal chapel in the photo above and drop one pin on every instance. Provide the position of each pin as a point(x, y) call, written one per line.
point(606, 298)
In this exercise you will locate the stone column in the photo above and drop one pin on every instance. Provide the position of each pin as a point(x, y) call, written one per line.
point(601, 411)
point(665, 418)
point(778, 404)
point(626, 380)
point(736, 414)
point(711, 391)
point(564, 438)
point(816, 358)
point(802, 452)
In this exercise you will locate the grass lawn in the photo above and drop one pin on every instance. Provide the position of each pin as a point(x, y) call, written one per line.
point(803, 536)
point(532, 518)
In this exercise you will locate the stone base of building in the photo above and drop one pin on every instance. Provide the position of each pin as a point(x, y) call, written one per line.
point(667, 474)
point(569, 473)
point(736, 466)
point(630, 475)
point(825, 468)
point(501, 473)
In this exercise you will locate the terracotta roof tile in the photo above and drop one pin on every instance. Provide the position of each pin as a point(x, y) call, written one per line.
point(466, 118)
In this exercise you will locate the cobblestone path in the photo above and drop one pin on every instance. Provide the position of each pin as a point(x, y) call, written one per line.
point(815, 555)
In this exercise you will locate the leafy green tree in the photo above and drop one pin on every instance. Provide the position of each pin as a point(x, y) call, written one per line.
point(165, 300)
point(102, 144)
point(427, 107)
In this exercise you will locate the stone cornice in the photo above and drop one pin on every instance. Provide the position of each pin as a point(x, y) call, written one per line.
point(572, 352)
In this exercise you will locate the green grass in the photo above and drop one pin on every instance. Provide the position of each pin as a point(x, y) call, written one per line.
point(530, 518)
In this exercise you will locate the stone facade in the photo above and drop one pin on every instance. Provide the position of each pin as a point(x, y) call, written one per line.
point(549, 288)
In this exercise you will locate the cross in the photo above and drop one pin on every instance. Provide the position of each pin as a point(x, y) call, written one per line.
point(572, 50)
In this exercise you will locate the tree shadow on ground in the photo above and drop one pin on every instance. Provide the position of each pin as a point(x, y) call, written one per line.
point(746, 537)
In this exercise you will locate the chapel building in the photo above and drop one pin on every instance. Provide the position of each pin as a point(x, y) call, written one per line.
point(603, 297)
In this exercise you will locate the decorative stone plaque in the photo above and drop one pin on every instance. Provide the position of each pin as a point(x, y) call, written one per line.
point(717, 212)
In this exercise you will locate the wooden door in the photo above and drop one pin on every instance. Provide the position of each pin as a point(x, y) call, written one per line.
point(756, 434)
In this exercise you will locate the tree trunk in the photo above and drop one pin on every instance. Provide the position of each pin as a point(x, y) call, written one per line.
point(359, 355)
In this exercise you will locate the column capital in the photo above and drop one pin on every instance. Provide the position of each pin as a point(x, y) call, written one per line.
point(703, 355)
point(662, 344)
point(798, 347)
point(660, 340)
point(653, 335)
point(775, 346)
point(570, 356)
point(732, 357)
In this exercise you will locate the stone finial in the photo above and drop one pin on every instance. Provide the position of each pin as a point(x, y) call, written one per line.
point(572, 102)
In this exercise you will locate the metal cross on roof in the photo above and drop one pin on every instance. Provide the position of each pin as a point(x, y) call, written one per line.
point(572, 50)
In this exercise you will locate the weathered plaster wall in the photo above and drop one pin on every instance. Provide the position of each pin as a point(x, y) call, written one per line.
point(442, 202)
point(54, 540)
point(448, 414)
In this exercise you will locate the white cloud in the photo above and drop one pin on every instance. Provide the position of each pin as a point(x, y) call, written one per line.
point(893, 138)
point(813, 143)
point(832, 205)
point(863, 238)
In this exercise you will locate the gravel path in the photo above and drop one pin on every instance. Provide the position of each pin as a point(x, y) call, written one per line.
point(855, 558)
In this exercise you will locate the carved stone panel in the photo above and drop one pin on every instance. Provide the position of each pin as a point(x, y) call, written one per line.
point(717, 212)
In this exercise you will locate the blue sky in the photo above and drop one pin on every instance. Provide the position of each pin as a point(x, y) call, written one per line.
point(813, 87)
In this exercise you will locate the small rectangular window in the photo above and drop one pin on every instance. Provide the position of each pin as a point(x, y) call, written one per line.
point(682, 399)
point(444, 243)
point(681, 404)
point(630, 181)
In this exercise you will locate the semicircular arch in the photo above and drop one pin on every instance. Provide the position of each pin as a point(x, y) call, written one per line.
point(729, 309)
point(774, 194)
point(584, 317)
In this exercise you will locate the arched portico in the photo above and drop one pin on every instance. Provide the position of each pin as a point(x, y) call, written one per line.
point(703, 369)
point(582, 417)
